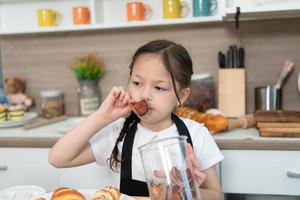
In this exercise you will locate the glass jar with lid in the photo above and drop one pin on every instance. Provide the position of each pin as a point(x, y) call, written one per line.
point(202, 96)
point(52, 104)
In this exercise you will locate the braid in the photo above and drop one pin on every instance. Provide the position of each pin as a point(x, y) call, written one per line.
point(113, 161)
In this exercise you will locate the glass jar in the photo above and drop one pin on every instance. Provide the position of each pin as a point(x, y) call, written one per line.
point(89, 96)
point(168, 170)
point(202, 96)
point(52, 104)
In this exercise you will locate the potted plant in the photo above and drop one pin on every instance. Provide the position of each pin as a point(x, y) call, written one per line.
point(88, 67)
point(88, 70)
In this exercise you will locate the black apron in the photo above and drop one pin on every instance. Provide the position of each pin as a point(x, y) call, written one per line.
point(127, 184)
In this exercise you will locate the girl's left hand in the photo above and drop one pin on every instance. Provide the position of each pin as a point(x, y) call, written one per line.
point(199, 175)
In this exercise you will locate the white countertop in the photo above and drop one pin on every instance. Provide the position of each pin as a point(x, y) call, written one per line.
point(46, 136)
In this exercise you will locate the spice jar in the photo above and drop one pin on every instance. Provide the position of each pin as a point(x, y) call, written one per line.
point(52, 103)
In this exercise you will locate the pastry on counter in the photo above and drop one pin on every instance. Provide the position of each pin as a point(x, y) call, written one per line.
point(15, 112)
point(65, 193)
point(107, 193)
point(2, 113)
point(214, 122)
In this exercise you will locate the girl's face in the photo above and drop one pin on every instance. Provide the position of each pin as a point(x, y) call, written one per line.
point(151, 81)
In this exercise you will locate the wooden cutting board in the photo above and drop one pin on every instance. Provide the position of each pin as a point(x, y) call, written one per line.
point(278, 125)
point(275, 134)
point(277, 116)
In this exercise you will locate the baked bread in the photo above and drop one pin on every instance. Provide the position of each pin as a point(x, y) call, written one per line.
point(65, 193)
point(107, 193)
point(140, 107)
point(214, 123)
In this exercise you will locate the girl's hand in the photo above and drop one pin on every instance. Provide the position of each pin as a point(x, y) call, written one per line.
point(200, 176)
point(115, 105)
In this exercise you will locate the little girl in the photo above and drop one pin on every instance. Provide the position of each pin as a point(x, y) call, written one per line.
point(160, 73)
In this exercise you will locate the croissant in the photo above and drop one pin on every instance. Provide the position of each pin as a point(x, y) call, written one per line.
point(64, 193)
point(107, 193)
point(214, 123)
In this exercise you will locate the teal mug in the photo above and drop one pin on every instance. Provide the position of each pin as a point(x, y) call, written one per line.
point(204, 7)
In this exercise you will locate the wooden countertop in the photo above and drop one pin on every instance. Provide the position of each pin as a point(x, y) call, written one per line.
point(46, 137)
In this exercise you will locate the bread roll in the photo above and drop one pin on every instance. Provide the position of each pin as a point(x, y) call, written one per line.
point(64, 193)
point(107, 193)
point(214, 123)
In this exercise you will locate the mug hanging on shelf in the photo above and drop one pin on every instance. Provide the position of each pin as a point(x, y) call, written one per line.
point(48, 17)
point(175, 9)
point(204, 7)
point(138, 11)
point(81, 15)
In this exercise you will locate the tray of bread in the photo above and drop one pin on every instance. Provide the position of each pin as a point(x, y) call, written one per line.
point(65, 193)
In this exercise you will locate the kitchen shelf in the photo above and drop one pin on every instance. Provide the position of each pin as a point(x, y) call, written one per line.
point(20, 17)
point(112, 26)
point(262, 9)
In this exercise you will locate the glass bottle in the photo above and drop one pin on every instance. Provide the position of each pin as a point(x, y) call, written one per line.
point(89, 96)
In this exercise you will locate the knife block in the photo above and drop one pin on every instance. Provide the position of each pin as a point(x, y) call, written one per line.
point(232, 92)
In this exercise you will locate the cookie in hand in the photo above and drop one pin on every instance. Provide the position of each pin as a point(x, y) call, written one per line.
point(140, 107)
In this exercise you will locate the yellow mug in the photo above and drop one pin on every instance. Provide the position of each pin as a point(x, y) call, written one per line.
point(48, 17)
point(175, 9)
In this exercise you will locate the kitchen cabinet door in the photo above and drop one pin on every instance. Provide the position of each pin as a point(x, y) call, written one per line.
point(89, 176)
point(26, 166)
point(261, 172)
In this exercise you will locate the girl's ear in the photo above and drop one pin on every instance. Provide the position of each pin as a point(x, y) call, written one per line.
point(184, 94)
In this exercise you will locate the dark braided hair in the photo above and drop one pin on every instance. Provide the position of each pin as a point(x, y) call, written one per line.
point(177, 62)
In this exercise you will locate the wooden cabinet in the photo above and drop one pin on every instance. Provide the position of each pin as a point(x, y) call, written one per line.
point(261, 172)
point(20, 16)
point(26, 166)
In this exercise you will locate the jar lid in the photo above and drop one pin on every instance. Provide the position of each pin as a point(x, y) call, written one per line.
point(50, 93)
point(201, 76)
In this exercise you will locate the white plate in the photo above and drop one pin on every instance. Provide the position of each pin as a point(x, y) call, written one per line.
point(88, 194)
point(69, 124)
point(28, 118)
point(21, 192)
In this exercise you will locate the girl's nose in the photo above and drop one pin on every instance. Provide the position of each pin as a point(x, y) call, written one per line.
point(146, 94)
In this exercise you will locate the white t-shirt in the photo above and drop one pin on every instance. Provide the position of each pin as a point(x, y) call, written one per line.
point(205, 148)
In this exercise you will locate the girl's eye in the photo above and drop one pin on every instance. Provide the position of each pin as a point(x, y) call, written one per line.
point(136, 83)
point(160, 88)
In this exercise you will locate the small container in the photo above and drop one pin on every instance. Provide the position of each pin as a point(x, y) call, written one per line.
point(202, 95)
point(52, 103)
point(168, 170)
point(268, 98)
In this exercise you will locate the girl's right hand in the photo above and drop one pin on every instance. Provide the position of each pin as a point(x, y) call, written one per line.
point(115, 105)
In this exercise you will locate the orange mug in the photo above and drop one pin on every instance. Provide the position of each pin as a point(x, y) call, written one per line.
point(137, 11)
point(81, 15)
